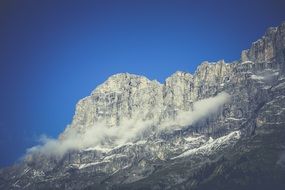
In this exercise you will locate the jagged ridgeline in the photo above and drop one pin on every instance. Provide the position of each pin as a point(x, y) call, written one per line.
point(222, 127)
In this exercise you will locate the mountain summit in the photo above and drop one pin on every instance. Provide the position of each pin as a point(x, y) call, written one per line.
point(222, 127)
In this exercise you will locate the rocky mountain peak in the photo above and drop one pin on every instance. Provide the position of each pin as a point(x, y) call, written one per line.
point(225, 120)
point(270, 31)
point(122, 81)
point(178, 77)
point(269, 48)
point(181, 74)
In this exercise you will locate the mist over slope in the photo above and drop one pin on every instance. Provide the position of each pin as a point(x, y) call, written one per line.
point(129, 130)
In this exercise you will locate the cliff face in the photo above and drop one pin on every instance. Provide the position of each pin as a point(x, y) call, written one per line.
point(269, 50)
point(198, 154)
point(122, 96)
point(127, 96)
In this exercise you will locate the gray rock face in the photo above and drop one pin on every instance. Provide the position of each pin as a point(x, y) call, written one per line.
point(122, 96)
point(227, 145)
point(268, 51)
point(127, 96)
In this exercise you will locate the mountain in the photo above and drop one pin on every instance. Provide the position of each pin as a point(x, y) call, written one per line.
point(222, 127)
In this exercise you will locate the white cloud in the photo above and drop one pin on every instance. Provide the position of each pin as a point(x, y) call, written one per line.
point(130, 130)
point(99, 135)
point(201, 109)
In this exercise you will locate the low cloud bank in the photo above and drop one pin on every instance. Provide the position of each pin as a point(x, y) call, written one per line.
point(201, 109)
point(99, 135)
point(130, 130)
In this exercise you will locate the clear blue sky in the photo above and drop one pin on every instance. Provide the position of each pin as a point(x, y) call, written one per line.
point(55, 52)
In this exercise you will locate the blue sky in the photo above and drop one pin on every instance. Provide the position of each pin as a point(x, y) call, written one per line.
point(53, 53)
